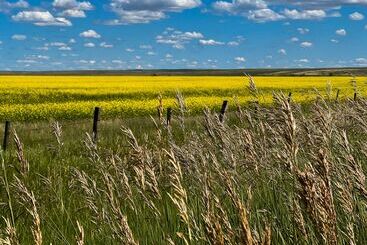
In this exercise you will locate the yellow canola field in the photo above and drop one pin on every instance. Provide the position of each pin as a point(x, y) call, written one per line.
point(24, 98)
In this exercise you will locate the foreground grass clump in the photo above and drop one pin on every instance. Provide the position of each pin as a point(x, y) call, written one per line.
point(267, 175)
point(35, 98)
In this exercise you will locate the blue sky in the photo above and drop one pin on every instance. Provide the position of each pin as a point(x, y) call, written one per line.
point(155, 34)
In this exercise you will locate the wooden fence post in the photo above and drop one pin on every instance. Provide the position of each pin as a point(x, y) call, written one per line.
point(223, 111)
point(355, 96)
point(95, 123)
point(6, 135)
point(337, 95)
point(169, 116)
point(289, 97)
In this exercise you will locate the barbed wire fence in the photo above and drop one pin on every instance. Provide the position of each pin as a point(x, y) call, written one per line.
point(97, 119)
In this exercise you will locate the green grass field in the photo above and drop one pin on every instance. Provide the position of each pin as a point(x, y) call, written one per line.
point(268, 175)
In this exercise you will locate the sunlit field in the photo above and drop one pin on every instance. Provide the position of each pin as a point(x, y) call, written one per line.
point(32, 98)
point(280, 172)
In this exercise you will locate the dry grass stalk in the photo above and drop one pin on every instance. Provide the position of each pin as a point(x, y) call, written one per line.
point(118, 221)
point(106, 200)
point(246, 233)
point(213, 229)
point(145, 171)
point(353, 167)
point(5, 180)
point(90, 191)
point(105, 203)
point(289, 131)
point(317, 194)
point(182, 109)
point(266, 239)
point(92, 149)
point(10, 234)
point(24, 165)
point(245, 225)
point(179, 198)
point(29, 201)
point(124, 189)
point(345, 196)
point(160, 109)
point(299, 219)
point(252, 87)
point(57, 132)
point(158, 128)
point(239, 111)
point(80, 237)
point(213, 226)
point(170, 241)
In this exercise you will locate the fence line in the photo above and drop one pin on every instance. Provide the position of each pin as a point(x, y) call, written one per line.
point(6, 135)
point(97, 116)
point(96, 119)
point(223, 111)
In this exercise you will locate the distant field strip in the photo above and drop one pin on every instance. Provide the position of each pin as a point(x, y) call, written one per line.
point(25, 98)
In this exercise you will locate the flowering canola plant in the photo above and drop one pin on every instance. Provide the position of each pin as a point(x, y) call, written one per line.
point(25, 98)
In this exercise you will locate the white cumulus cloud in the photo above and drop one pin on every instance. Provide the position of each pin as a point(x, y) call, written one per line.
point(72, 8)
point(138, 11)
point(239, 6)
point(6, 6)
point(233, 43)
point(282, 51)
point(89, 45)
point(273, 10)
point(303, 30)
point(65, 48)
point(303, 61)
point(145, 46)
point(73, 13)
point(264, 15)
point(105, 45)
point(56, 44)
point(356, 16)
point(305, 14)
point(240, 59)
point(41, 18)
point(361, 61)
point(90, 34)
point(341, 32)
point(306, 44)
point(210, 42)
point(72, 4)
point(177, 39)
point(19, 37)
